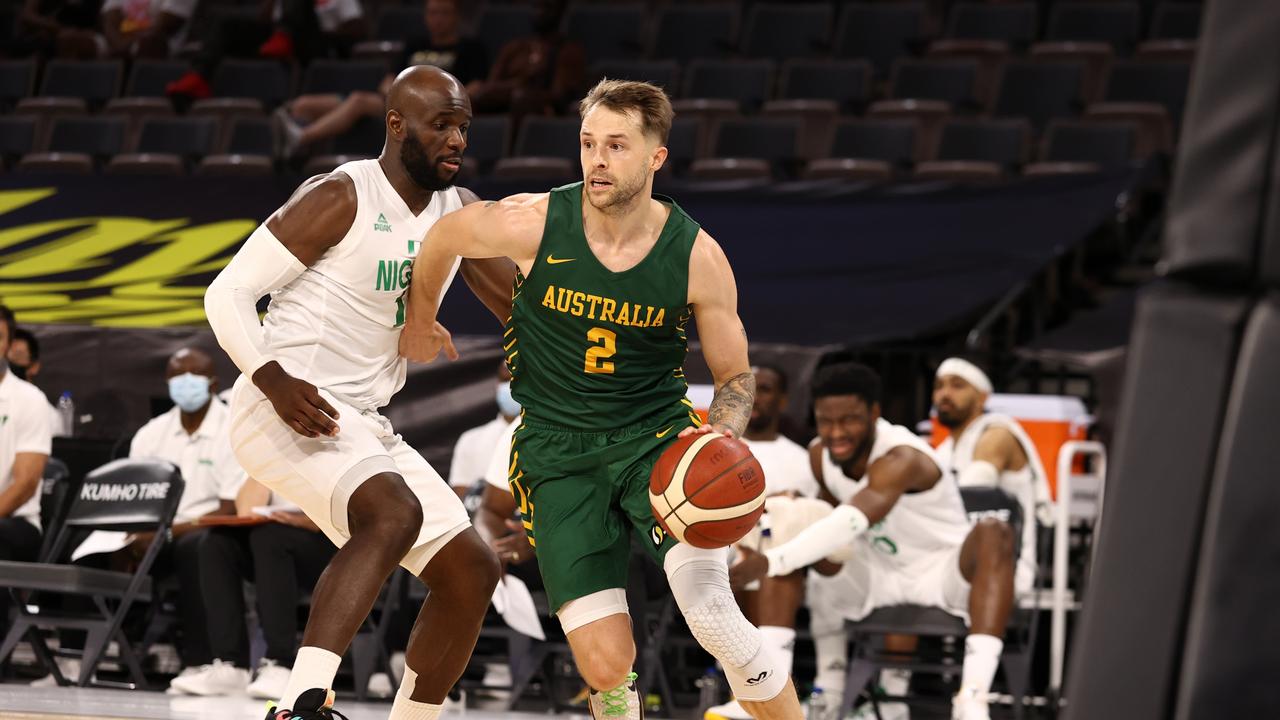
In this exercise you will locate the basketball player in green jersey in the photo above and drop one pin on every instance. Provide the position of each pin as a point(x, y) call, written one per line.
point(609, 277)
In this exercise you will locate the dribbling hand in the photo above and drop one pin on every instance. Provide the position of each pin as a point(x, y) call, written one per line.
point(423, 345)
point(703, 429)
point(297, 402)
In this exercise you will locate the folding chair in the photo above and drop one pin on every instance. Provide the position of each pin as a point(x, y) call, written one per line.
point(931, 622)
point(124, 495)
point(56, 491)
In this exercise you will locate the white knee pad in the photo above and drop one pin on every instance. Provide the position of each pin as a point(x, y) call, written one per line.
point(590, 608)
point(700, 583)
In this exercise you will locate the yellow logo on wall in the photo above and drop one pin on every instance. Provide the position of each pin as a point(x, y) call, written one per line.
point(110, 270)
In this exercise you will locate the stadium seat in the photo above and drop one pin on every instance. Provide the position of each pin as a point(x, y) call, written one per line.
point(150, 164)
point(1109, 146)
point(388, 51)
point(342, 77)
point(712, 169)
point(1114, 23)
point(747, 82)
point(707, 114)
point(683, 143)
point(817, 120)
point(847, 82)
point(775, 140)
point(500, 24)
point(1040, 91)
point(137, 109)
point(98, 137)
point(364, 139)
point(1183, 51)
point(1093, 57)
point(880, 32)
point(399, 22)
point(56, 164)
point(1154, 130)
point(781, 31)
point(188, 138)
point(951, 81)
point(1162, 83)
point(250, 136)
point(17, 81)
point(148, 78)
point(689, 32)
point(607, 30)
point(990, 56)
point(548, 137)
point(1004, 143)
point(235, 166)
point(1176, 21)
point(17, 137)
point(542, 169)
point(890, 141)
point(487, 141)
point(265, 81)
point(95, 82)
point(1044, 169)
point(848, 169)
point(927, 115)
point(1013, 23)
point(663, 73)
point(325, 164)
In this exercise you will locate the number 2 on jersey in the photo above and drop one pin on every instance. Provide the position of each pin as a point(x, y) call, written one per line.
point(605, 344)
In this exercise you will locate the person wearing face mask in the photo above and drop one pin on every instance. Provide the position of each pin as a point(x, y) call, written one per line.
point(474, 450)
point(24, 363)
point(194, 436)
point(24, 450)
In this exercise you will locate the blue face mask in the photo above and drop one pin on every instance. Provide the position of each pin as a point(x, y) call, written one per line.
point(507, 405)
point(189, 391)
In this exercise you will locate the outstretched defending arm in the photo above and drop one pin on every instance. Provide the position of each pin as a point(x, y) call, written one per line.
point(511, 228)
point(713, 293)
point(315, 219)
point(489, 278)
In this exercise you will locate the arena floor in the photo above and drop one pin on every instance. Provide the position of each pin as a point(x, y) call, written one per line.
point(20, 702)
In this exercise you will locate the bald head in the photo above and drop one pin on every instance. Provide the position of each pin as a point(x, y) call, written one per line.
point(428, 115)
point(189, 360)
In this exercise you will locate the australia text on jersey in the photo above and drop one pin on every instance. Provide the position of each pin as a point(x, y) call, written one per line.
point(605, 309)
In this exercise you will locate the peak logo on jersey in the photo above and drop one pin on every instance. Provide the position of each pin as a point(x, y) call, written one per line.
point(598, 307)
point(381, 225)
point(657, 535)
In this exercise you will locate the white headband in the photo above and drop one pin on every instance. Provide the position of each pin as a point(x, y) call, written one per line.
point(966, 371)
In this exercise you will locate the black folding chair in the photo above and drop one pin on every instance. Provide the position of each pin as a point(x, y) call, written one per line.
point(124, 495)
point(56, 490)
point(867, 634)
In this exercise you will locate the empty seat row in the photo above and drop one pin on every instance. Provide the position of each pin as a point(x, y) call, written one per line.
point(881, 31)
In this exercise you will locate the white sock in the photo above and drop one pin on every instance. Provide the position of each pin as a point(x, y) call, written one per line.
point(405, 709)
point(314, 668)
point(981, 658)
point(895, 682)
point(831, 652)
point(781, 642)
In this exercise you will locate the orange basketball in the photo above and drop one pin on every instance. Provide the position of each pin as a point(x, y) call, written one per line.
point(707, 490)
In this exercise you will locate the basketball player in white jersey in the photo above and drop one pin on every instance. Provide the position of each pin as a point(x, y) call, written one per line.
point(305, 420)
point(900, 530)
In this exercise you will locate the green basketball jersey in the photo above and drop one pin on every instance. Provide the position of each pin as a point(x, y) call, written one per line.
point(592, 349)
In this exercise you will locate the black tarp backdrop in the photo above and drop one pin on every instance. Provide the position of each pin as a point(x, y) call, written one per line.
point(111, 271)
point(1180, 617)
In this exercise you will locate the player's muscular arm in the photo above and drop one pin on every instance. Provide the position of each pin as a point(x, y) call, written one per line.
point(490, 279)
point(714, 297)
point(314, 219)
point(999, 447)
point(899, 471)
point(510, 228)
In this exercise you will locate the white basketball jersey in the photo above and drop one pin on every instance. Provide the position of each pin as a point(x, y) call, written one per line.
point(786, 466)
point(337, 325)
point(920, 524)
point(1022, 484)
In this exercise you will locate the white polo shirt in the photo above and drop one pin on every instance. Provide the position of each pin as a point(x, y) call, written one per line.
point(24, 428)
point(786, 466)
point(500, 457)
point(208, 465)
point(473, 452)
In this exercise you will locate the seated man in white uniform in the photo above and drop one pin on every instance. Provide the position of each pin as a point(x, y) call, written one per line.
point(475, 447)
point(900, 532)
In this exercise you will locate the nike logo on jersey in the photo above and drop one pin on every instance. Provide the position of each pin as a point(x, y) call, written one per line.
point(664, 432)
point(552, 260)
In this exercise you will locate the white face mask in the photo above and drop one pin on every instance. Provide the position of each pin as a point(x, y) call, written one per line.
point(507, 404)
point(189, 391)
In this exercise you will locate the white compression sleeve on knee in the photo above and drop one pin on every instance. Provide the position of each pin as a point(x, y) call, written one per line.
point(822, 538)
point(590, 608)
point(261, 265)
point(700, 583)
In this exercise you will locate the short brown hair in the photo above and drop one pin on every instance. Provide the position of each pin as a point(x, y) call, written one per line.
point(646, 99)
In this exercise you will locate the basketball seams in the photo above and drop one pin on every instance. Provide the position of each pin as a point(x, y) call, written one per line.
point(709, 483)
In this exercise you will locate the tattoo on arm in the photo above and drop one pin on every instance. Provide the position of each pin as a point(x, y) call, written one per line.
point(731, 407)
